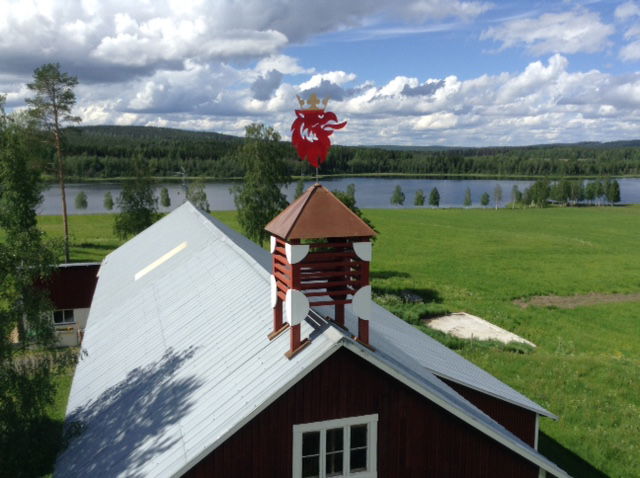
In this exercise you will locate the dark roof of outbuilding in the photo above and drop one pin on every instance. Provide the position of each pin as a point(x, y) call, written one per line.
point(71, 286)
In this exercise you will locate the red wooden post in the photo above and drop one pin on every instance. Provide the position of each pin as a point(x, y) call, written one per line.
point(340, 315)
point(364, 272)
point(296, 345)
point(277, 315)
point(295, 338)
point(363, 331)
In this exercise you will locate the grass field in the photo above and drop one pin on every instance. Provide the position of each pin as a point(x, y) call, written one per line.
point(586, 367)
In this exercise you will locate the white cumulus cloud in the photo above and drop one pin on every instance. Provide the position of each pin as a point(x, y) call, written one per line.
point(220, 65)
point(627, 10)
point(441, 120)
point(285, 64)
point(569, 32)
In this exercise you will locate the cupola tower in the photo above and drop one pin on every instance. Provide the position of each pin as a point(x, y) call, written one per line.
point(321, 253)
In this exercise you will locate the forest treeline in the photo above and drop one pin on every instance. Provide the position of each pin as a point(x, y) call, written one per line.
point(107, 152)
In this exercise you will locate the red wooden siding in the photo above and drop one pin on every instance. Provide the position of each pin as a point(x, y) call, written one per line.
point(416, 438)
point(72, 287)
point(517, 420)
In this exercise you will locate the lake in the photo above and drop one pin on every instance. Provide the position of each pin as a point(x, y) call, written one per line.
point(370, 192)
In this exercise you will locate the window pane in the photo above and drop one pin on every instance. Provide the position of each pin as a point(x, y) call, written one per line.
point(310, 443)
point(358, 436)
point(311, 467)
point(68, 315)
point(334, 440)
point(334, 464)
point(58, 316)
point(359, 459)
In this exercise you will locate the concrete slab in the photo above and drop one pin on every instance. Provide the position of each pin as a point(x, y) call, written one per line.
point(467, 326)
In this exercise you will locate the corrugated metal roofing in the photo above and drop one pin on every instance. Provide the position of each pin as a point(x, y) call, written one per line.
point(176, 361)
point(400, 340)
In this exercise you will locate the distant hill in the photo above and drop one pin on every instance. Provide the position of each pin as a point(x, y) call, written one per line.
point(393, 147)
point(153, 134)
point(147, 132)
point(633, 143)
point(105, 152)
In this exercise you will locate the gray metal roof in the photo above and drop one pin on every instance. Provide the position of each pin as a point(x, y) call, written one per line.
point(177, 360)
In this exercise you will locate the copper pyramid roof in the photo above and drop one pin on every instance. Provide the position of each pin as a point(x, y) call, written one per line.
point(318, 214)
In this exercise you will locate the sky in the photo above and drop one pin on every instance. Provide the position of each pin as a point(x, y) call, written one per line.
point(408, 72)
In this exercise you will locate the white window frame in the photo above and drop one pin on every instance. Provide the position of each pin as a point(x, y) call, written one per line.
point(345, 423)
point(73, 312)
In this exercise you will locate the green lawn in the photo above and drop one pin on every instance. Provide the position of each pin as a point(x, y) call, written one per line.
point(587, 363)
point(91, 236)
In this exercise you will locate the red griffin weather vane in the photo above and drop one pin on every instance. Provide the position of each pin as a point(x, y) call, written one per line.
point(311, 130)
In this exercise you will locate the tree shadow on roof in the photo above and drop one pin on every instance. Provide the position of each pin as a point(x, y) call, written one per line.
point(566, 459)
point(131, 423)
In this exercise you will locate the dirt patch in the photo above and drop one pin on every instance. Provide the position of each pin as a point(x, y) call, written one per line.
point(573, 301)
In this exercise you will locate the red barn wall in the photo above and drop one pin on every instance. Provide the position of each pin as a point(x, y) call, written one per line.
point(519, 421)
point(416, 438)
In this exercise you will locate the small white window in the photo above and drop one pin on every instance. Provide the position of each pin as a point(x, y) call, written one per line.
point(336, 448)
point(63, 317)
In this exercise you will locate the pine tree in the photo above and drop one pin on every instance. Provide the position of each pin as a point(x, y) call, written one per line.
point(397, 198)
point(137, 203)
point(419, 199)
point(81, 200)
point(485, 199)
point(591, 192)
point(165, 200)
point(259, 198)
point(108, 201)
point(600, 191)
point(613, 192)
point(434, 197)
point(51, 106)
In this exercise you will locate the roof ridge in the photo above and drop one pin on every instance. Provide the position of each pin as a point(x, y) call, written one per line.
point(233, 238)
point(311, 191)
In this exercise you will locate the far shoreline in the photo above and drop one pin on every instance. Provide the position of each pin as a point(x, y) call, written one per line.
point(50, 180)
